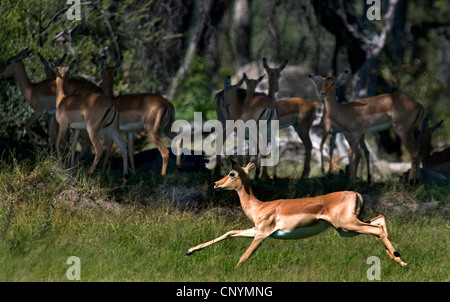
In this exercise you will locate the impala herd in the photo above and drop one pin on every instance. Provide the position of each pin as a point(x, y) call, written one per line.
point(81, 105)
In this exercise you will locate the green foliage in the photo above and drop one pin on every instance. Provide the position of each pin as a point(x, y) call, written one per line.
point(36, 24)
point(195, 93)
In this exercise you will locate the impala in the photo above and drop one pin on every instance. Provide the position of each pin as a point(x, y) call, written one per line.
point(255, 106)
point(295, 111)
point(48, 70)
point(297, 218)
point(148, 111)
point(329, 127)
point(41, 96)
point(91, 111)
point(436, 161)
point(373, 114)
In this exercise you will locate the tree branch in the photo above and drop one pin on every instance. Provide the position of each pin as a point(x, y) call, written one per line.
point(195, 40)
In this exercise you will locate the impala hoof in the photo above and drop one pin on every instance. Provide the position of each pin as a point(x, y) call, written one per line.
point(188, 253)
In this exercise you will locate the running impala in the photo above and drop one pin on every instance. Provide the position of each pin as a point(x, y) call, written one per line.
point(297, 218)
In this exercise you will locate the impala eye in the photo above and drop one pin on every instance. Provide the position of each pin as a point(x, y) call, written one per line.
point(232, 175)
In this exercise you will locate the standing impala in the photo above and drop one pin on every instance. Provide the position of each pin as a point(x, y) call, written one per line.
point(254, 106)
point(295, 111)
point(297, 218)
point(372, 114)
point(41, 96)
point(90, 111)
point(148, 111)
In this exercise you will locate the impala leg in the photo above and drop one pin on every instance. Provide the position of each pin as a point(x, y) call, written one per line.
point(107, 148)
point(51, 128)
point(353, 141)
point(379, 220)
point(179, 146)
point(162, 149)
point(322, 164)
point(375, 228)
point(362, 142)
point(130, 137)
point(123, 150)
point(303, 133)
point(332, 146)
point(33, 119)
point(256, 243)
point(62, 131)
point(73, 148)
point(250, 233)
point(411, 145)
point(98, 147)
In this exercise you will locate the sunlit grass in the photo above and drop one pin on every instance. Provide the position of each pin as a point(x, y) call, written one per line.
point(143, 239)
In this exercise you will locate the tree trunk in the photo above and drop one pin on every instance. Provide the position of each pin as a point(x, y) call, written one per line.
point(242, 24)
point(194, 42)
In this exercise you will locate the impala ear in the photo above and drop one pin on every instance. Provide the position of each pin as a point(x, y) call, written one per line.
point(51, 65)
point(43, 61)
point(234, 165)
point(61, 60)
point(317, 81)
point(435, 127)
point(227, 83)
point(260, 79)
point(23, 54)
point(283, 66)
point(341, 78)
point(250, 166)
point(244, 79)
point(266, 66)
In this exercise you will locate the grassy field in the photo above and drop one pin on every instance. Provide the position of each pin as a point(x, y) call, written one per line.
point(48, 214)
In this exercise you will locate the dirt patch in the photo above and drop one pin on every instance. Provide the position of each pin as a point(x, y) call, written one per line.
point(402, 204)
point(77, 200)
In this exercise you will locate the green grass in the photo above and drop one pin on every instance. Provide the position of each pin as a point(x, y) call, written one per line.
point(145, 239)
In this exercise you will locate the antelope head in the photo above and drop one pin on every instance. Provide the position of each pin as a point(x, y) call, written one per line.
point(10, 67)
point(274, 74)
point(326, 85)
point(237, 178)
point(252, 84)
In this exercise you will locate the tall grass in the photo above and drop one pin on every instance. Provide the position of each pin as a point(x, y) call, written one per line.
point(48, 213)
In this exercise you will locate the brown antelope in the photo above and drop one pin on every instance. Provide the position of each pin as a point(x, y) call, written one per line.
point(297, 218)
point(435, 161)
point(255, 106)
point(373, 114)
point(148, 111)
point(90, 111)
point(329, 127)
point(295, 111)
point(41, 96)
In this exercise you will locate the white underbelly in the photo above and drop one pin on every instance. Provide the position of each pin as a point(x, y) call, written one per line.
point(81, 125)
point(301, 232)
point(380, 127)
point(132, 126)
